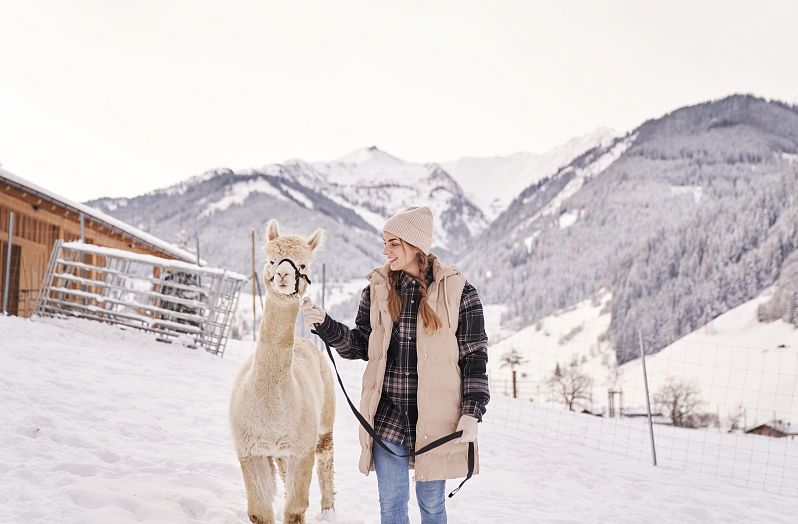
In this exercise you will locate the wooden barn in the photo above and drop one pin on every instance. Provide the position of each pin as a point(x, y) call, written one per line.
point(40, 217)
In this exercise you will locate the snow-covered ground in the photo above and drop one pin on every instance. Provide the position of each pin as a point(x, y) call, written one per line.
point(108, 425)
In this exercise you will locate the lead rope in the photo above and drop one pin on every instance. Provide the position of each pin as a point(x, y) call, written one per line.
point(370, 430)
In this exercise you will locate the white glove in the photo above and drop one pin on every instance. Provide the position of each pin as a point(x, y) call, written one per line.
point(468, 425)
point(312, 313)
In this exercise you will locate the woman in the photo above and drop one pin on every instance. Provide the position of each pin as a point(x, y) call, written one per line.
point(421, 328)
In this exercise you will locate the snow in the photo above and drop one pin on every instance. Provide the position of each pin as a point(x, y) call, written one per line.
point(568, 218)
point(181, 187)
point(511, 174)
point(580, 176)
point(150, 259)
point(113, 205)
point(99, 215)
point(734, 359)
point(371, 154)
point(299, 197)
point(572, 333)
point(365, 180)
point(108, 425)
point(696, 191)
point(528, 240)
point(237, 193)
point(736, 363)
point(790, 157)
point(370, 165)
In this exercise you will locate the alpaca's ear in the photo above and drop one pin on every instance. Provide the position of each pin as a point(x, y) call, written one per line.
point(317, 240)
point(271, 230)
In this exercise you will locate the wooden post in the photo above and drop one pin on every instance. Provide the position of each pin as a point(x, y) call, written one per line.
point(83, 255)
point(515, 388)
point(254, 290)
point(7, 277)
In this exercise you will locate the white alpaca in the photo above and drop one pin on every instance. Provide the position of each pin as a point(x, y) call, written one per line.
point(283, 403)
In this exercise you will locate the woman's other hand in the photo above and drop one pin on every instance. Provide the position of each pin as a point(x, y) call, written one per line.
point(468, 425)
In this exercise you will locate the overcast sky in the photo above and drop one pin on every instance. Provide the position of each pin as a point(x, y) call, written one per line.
point(115, 98)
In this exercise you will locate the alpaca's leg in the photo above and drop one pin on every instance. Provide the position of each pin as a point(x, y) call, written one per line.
point(328, 403)
point(324, 470)
point(324, 445)
point(299, 469)
point(259, 482)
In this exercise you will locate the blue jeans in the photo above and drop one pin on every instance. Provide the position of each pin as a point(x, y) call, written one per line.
point(393, 480)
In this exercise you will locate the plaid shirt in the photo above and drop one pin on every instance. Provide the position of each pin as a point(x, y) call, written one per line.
point(397, 413)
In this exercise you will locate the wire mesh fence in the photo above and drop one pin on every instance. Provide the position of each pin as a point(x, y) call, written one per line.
point(718, 408)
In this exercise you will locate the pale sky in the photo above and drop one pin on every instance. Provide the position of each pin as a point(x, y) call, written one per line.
point(115, 98)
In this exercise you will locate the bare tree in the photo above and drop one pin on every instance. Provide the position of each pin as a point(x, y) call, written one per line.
point(570, 384)
point(513, 359)
point(679, 398)
point(735, 420)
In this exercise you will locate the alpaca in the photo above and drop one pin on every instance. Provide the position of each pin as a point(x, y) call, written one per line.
point(283, 403)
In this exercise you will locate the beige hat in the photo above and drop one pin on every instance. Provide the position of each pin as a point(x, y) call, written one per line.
point(414, 226)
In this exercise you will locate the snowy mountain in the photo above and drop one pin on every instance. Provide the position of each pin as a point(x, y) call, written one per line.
point(350, 197)
point(682, 219)
point(376, 185)
point(685, 217)
point(509, 175)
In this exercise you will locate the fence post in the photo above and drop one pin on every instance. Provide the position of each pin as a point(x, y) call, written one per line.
point(7, 277)
point(648, 402)
point(254, 290)
point(198, 251)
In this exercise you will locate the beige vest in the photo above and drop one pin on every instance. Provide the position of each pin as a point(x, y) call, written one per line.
point(439, 382)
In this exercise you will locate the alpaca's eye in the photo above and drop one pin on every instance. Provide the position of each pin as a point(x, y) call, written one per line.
point(271, 261)
point(301, 266)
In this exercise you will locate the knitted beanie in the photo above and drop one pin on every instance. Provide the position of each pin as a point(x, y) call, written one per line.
point(414, 226)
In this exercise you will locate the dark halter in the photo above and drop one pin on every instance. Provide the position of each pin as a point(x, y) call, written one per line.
point(297, 275)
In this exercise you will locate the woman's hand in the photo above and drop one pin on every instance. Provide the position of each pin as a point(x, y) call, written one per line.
point(312, 313)
point(468, 425)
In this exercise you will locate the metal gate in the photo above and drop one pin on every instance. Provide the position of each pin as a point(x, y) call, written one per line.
point(175, 299)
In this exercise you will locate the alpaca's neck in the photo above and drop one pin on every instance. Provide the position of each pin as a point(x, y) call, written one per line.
point(276, 337)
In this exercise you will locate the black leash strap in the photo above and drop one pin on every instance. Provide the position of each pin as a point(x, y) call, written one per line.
point(370, 430)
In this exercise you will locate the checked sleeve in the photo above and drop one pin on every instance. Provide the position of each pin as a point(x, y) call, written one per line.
point(351, 343)
point(473, 343)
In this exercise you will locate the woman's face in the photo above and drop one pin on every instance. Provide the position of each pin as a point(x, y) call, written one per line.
point(400, 255)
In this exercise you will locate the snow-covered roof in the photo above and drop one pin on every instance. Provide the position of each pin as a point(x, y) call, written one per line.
point(142, 236)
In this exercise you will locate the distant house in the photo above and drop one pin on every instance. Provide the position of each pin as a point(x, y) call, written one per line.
point(40, 218)
point(776, 428)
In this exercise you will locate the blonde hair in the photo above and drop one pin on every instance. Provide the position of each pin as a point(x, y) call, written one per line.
point(431, 320)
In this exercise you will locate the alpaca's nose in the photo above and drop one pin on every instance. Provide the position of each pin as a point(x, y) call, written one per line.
point(283, 276)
